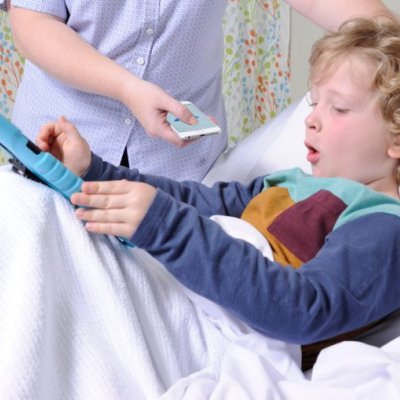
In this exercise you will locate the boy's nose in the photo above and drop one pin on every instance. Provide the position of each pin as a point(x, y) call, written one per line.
point(312, 122)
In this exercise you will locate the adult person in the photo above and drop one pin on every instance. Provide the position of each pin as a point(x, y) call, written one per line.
point(104, 66)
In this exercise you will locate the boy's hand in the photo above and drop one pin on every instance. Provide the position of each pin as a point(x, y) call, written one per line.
point(64, 142)
point(113, 207)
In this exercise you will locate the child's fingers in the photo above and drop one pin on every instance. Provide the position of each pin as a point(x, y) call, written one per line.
point(122, 201)
point(49, 131)
point(45, 136)
point(109, 187)
point(49, 135)
point(100, 215)
point(63, 125)
point(109, 222)
point(80, 199)
point(42, 144)
point(114, 229)
point(98, 201)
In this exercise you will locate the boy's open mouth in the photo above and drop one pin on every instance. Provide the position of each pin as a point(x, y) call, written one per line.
point(313, 154)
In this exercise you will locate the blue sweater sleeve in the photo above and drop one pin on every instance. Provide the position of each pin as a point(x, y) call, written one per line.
point(352, 281)
point(222, 198)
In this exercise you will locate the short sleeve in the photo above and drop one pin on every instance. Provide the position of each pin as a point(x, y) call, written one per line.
point(3, 5)
point(57, 8)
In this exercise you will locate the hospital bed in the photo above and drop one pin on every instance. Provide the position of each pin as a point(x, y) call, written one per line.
point(100, 321)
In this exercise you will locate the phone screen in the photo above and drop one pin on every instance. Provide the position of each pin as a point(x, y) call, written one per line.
point(204, 125)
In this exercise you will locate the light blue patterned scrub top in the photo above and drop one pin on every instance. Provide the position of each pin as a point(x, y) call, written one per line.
point(177, 44)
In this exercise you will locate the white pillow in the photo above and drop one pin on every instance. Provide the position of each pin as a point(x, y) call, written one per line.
point(275, 146)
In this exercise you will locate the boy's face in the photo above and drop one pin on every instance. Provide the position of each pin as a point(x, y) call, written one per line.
point(345, 133)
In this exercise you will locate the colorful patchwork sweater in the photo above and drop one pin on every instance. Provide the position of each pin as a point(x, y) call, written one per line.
point(338, 240)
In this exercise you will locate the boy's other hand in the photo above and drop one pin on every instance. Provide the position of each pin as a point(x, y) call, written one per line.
point(64, 142)
point(113, 207)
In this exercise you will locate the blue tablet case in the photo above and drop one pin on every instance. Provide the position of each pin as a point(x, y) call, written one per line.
point(28, 160)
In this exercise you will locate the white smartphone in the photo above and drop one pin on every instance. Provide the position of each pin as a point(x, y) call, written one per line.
point(203, 127)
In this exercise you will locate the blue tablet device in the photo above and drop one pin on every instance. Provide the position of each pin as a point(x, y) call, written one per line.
point(28, 160)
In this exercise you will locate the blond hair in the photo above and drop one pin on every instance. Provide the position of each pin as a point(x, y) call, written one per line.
point(376, 40)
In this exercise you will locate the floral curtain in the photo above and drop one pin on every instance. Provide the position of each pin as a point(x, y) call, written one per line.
point(256, 63)
point(11, 69)
point(256, 70)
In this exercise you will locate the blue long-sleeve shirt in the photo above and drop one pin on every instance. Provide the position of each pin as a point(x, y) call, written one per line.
point(351, 281)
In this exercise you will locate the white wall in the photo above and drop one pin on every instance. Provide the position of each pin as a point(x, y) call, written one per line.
point(303, 34)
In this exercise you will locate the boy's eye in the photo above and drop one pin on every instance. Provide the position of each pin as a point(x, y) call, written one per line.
point(340, 110)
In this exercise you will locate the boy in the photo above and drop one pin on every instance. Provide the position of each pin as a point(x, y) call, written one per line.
point(337, 232)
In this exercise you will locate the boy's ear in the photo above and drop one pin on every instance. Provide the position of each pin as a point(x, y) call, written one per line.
point(394, 147)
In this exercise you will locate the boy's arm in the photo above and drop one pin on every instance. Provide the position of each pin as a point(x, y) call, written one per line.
point(119, 198)
point(225, 198)
point(330, 14)
point(52, 45)
point(115, 198)
point(352, 281)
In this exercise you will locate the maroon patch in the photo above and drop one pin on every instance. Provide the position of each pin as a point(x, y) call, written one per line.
point(302, 228)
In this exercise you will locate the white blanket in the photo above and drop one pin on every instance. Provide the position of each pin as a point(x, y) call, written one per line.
point(83, 317)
